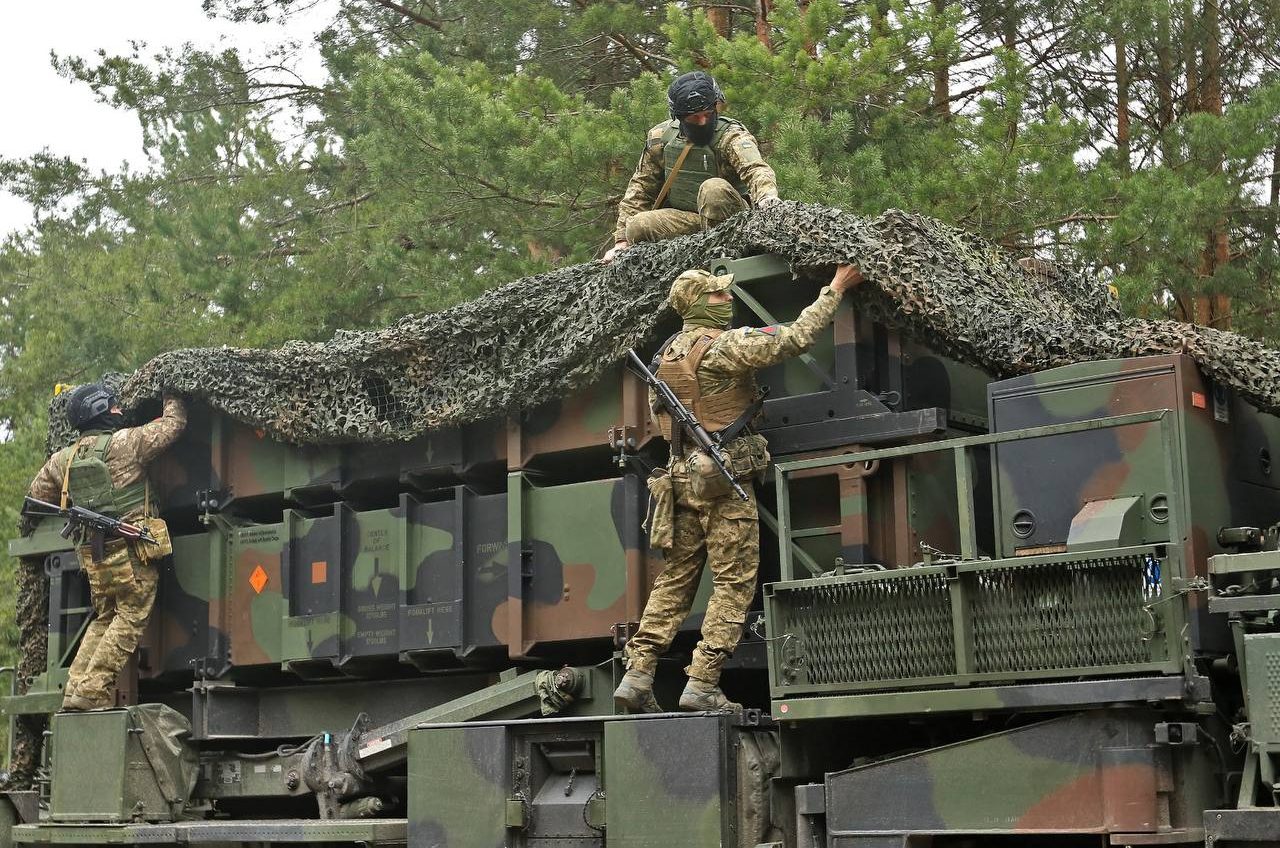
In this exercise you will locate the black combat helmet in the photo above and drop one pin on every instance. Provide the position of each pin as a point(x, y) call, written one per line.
point(693, 92)
point(87, 403)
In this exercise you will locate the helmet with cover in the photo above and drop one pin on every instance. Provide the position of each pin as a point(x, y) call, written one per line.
point(89, 406)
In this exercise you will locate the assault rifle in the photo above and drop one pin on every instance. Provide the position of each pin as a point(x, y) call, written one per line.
point(79, 518)
point(681, 415)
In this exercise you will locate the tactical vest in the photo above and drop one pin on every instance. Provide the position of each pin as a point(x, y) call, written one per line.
point(680, 372)
point(88, 480)
point(702, 164)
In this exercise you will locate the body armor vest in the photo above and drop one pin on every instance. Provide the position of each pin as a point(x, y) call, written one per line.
point(680, 372)
point(89, 480)
point(702, 164)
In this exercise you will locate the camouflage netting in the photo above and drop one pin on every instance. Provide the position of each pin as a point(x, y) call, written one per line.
point(539, 337)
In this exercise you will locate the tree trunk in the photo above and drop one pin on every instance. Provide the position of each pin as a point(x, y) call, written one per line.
point(809, 46)
point(1275, 178)
point(1217, 248)
point(1190, 45)
point(1275, 201)
point(1164, 86)
point(763, 34)
point(720, 20)
point(1122, 92)
point(941, 66)
point(1009, 37)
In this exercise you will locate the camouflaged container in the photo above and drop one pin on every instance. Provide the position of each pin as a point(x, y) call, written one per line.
point(694, 780)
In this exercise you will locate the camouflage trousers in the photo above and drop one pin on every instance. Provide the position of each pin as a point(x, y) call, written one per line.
point(724, 535)
point(718, 201)
point(123, 588)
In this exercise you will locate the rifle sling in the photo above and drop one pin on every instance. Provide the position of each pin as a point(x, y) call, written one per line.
point(671, 177)
point(741, 423)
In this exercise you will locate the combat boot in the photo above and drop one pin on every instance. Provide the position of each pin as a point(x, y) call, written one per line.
point(76, 703)
point(635, 693)
point(700, 696)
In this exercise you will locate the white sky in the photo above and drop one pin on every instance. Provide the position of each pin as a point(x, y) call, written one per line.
point(43, 110)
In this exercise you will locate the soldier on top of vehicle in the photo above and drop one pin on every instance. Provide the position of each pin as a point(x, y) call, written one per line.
point(698, 519)
point(106, 471)
point(697, 169)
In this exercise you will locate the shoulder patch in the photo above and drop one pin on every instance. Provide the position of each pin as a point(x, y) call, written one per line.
point(771, 330)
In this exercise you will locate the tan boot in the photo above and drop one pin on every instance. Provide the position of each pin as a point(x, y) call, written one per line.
point(700, 696)
point(635, 693)
point(75, 703)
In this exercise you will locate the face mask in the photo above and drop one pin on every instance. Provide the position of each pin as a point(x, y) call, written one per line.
point(110, 421)
point(700, 134)
point(715, 316)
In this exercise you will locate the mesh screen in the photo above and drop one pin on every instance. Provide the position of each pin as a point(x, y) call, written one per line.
point(1060, 615)
point(1021, 620)
point(872, 630)
point(541, 337)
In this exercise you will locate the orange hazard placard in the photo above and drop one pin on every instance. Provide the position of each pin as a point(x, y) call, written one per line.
point(258, 579)
point(319, 572)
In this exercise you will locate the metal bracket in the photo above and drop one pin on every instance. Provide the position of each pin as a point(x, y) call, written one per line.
point(622, 631)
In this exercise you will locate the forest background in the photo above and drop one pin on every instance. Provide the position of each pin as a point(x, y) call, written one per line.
point(453, 145)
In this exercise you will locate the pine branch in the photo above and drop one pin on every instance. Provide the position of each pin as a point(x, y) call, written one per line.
point(416, 17)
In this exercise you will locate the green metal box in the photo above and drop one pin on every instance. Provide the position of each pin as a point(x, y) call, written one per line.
point(118, 766)
point(1262, 688)
point(693, 780)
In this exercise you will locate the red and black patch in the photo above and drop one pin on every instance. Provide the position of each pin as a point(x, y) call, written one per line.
point(771, 330)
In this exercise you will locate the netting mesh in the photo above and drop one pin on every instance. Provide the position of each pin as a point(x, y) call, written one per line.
point(543, 336)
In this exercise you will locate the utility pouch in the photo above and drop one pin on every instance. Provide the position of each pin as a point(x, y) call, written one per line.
point(112, 573)
point(747, 457)
point(160, 532)
point(705, 480)
point(662, 519)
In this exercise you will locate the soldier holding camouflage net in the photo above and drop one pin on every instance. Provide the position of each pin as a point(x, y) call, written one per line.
point(697, 169)
point(698, 520)
point(106, 471)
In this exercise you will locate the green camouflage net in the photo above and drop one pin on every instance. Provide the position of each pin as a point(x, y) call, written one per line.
point(543, 336)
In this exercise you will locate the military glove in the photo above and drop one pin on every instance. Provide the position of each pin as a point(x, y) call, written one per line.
point(767, 201)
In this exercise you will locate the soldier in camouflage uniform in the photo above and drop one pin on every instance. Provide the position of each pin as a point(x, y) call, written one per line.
point(712, 371)
point(122, 574)
point(719, 167)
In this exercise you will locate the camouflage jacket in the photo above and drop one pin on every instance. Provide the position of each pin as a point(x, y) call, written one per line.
point(736, 355)
point(131, 449)
point(739, 157)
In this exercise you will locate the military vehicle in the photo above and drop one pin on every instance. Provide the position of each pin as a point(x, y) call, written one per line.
point(1034, 611)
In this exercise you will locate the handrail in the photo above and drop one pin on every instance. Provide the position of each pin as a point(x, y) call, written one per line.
point(964, 489)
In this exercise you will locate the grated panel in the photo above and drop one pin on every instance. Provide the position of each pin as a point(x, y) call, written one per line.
point(873, 630)
point(1060, 615)
point(1023, 620)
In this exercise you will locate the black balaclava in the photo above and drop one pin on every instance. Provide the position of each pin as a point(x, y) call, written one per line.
point(700, 134)
point(109, 421)
point(692, 93)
